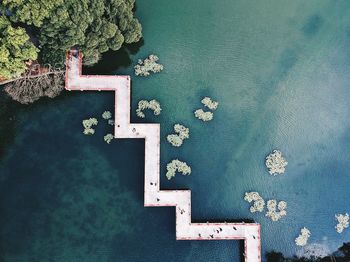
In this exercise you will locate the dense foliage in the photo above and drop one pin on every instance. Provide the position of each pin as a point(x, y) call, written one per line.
point(15, 49)
point(93, 26)
point(31, 12)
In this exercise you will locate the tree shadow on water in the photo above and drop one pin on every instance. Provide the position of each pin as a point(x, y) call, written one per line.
point(135, 47)
point(114, 60)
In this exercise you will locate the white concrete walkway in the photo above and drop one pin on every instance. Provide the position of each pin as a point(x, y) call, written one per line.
point(153, 196)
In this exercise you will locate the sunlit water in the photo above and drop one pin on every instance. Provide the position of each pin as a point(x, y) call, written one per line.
point(280, 71)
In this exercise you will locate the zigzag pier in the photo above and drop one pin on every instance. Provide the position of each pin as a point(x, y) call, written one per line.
point(153, 195)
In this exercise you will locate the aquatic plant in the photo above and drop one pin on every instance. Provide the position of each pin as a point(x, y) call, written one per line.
point(174, 140)
point(89, 131)
point(144, 104)
point(143, 68)
point(276, 163)
point(202, 115)
point(107, 115)
point(212, 105)
point(258, 201)
point(87, 124)
point(302, 239)
point(108, 138)
point(111, 122)
point(343, 222)
point(272, 207)
point(182, 133)
point(177, 166)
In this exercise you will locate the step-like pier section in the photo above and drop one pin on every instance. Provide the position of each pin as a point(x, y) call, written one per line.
point(153, 196)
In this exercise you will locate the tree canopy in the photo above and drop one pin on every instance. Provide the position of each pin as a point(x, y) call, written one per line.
point(31, 12)
point(15, 49)
point(93, 26)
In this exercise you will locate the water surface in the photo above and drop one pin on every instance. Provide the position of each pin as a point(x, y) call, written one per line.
point(280, 71)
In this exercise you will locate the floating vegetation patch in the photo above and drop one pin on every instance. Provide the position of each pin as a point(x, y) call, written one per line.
point(202, 115)
point(182, 133)
point(302, 239)
point(177, 166)
point(272, 207)
point(147, 66)
point(343, 222)
point(108, 138)
point(174, 140)
point(274, 211)
point(154, 105)
point(107, 115)
point(276, 163)
point(87, 124)
point(206, 115)
point(258, 201)
point(208, 102)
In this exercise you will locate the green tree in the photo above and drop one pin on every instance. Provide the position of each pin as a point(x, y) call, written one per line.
point(93, 26)
point(15, 49)
point(30, 11)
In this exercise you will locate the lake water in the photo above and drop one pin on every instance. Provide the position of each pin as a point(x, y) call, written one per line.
point(280, 71)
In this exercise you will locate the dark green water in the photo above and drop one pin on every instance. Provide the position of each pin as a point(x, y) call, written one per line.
point(281, 72)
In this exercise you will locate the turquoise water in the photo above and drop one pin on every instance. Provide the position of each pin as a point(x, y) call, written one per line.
point(280, 71)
